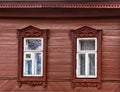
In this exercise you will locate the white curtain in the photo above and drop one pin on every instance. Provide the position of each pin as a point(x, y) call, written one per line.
point(87, 44)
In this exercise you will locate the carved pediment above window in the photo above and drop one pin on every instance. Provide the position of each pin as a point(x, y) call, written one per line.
point(31, 31)
point(85, 31)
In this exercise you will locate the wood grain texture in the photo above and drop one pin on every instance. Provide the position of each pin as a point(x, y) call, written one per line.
point(60, 12)
point(11, 86)
point(106, 87)
point(59, 63)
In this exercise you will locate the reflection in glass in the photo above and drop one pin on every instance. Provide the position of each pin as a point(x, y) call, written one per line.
point(82, 64)
point(33, 44)
point(38, 63)
point(28, 67)
point(87, 44)
point(91, 64)
point(28, 55)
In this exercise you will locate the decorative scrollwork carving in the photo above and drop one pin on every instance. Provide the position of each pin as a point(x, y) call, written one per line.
point(32, 83)
point(87, 84)
point(30, 32)
point(84, 32)
point(87, 33)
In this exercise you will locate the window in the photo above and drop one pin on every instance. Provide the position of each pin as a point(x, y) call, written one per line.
point(32, 56)
point(86, 57)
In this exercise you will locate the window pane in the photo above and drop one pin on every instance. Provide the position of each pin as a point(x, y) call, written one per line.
point(87, 44)
point(82, 64)
point(33, 44)
point(91, 64)
point(38, 63)
point(28, 55)
point(28, 67)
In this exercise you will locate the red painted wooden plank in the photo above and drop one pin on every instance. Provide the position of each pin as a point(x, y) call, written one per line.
point(106, 87)
point(11, 85)
point(59, 68)
point(8, 73)
point(113, 32)
point(59, 75)
point(111, 55)
point(110, 76)
point(110, 48)
point(111, 62)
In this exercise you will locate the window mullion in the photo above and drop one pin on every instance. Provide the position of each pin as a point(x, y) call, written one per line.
point(87, 65)
point(35, 66)
point(33, 63)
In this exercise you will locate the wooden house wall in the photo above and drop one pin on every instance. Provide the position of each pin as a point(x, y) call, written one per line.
point(59, 65)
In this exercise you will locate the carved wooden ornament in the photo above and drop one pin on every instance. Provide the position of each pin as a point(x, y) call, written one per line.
point(34, 32)
point(86, 32)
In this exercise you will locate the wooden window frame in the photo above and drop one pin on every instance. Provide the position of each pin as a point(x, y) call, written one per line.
point(86, 52)
point(32, 32)
point(86, 32)
point(32, 52)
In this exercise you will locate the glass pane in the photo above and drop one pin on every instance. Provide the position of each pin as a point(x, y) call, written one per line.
point(28, 67)
point(82, 64)
point(33, 44)
point(87, 44)
point(28, 55)
point(91, 64)
point(38, 63)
